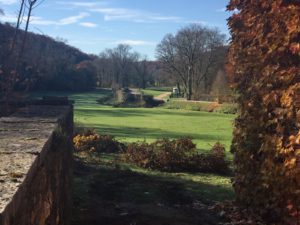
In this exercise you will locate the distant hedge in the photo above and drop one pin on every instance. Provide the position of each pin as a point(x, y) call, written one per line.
point(226, 108)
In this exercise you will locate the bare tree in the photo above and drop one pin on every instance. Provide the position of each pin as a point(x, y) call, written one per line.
point(190, 54)
point(142, 71)
point(11, 65)
point(121, 60)
point(30, 6)
point(19, 20)
point(120, 68)
point(104, 70)
point(168, 55)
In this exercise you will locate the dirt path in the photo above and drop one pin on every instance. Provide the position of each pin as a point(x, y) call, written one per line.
point(163, 96)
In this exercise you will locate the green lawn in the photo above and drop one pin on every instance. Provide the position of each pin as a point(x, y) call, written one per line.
point(139, 124)
point(107, 190)
point(149, 124)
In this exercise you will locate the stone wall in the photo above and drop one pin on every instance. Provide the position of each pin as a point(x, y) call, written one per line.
point(36, 165)
point(134, 98)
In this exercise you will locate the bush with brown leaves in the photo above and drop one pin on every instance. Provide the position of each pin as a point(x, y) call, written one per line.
point(90, 141)
point(176, 155)
point(264, 68)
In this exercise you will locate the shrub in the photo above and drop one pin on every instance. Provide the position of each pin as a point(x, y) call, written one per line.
point(142, 154)
point(176, 155)
point(226, 108)
point(218, 150)
point(264, 68)
point(216, 160)
point(90, 141)
point(191, 105)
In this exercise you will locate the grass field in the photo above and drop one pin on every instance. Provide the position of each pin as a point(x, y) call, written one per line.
point(139, 124)
point(109, 191)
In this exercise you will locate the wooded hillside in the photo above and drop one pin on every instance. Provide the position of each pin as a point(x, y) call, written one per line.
point(48, 64)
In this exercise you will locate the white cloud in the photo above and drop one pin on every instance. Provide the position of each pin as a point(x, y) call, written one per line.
point(8, 18)
point(120, 14)
point(73, 19)
point(8, 2)
point(134, 42)
point(35, 20)
point(117, 14)
point(85, 4)
point(123, 14)
point(88, 24)
point(166, 18)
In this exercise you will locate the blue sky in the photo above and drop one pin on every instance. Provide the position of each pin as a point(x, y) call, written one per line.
point(95, 25)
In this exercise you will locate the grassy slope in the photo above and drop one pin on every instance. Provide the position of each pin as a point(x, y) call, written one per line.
point(108, 191)
point(138, 124)
point(150, 124)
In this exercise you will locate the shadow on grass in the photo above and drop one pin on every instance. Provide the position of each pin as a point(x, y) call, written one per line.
point(82, 94)
point(109, 113)
point(110, 195)
point(151, 133)
point(141, 112)
point(145, 112)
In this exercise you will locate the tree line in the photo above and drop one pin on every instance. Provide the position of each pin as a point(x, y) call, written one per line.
point(193, 57)
point(120, 67)
point(191, 60)
point(45, 64)
point(31, 61)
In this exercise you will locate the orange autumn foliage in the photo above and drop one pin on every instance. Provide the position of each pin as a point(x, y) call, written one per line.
point(264, 68)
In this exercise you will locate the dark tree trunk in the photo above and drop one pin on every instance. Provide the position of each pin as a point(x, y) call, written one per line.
point(190, 85)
